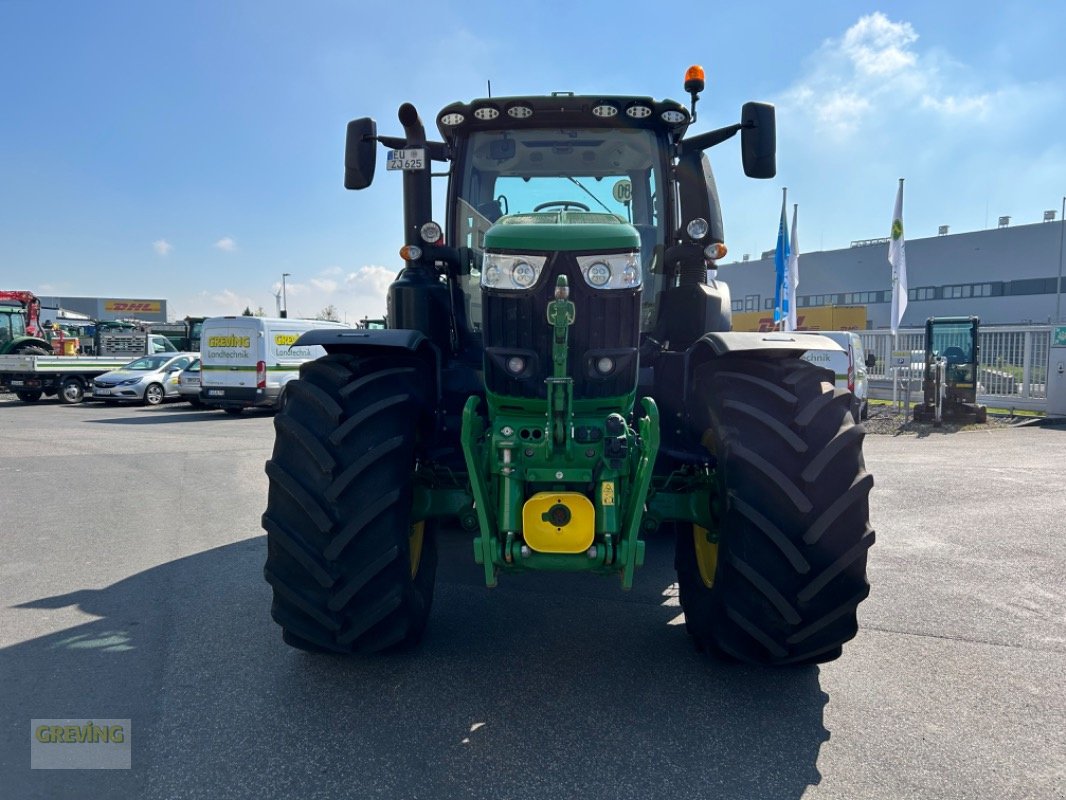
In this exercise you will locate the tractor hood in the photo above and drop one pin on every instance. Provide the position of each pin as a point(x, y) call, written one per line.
point(581, 231)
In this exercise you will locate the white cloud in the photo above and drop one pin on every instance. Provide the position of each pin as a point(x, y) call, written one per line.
point(226, 244)
point(327, 285)
point(162, 246)
point(877, 46)
point(873, 76)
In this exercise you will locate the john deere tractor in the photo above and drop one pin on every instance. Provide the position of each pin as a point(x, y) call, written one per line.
point(559, 380)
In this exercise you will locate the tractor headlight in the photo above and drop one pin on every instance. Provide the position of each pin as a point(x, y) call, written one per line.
point(519, 272)
point(614, 271)
point(697, 228)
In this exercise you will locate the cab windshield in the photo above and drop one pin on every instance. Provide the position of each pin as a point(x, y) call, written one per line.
point(12, 323)
point(610, 170)
point(147, 364)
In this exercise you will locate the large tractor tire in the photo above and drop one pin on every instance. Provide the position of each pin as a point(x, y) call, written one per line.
point(783, 582)
point(350, 571)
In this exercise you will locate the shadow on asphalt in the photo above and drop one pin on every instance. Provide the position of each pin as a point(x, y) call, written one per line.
point(540, 688)
point(156, 416)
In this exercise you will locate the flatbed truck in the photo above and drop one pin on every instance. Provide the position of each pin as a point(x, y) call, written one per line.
point(32, 376)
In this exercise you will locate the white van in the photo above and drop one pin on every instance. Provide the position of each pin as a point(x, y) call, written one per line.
point(848, 366)
point(246, 361)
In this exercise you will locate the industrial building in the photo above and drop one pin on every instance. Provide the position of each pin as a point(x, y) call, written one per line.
point(1007, 275)
point(104, 308)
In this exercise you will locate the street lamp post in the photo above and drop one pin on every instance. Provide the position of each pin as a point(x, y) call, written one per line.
point(1058, 286)
point(284, 299)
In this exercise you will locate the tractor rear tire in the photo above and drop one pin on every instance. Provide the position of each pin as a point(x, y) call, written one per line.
point(350, 572)
point(784, 580)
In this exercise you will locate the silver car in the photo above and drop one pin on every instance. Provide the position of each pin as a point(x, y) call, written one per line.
point(189, 384)
point(149, 379)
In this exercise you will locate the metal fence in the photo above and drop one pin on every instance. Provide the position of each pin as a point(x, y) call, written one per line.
point(1012, 369)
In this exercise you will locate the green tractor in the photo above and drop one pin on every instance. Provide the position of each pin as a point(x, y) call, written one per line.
point(558, 379)
point(20, 325)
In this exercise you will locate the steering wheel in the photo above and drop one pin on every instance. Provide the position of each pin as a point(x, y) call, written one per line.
point(954, 355)
point(564, 203)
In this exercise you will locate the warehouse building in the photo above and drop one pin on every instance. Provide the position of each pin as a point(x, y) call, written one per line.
point(105, 308)
point(1006, 276)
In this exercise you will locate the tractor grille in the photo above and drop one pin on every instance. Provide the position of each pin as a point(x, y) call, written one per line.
point(606, 323)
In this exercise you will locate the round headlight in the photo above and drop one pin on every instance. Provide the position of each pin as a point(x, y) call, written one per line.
point(605, 365)
point(630, 275)
point(523, 274)
point(491, 275)
point(697, 228)
point(430, 233)
point(599, 274)
point(516, 365)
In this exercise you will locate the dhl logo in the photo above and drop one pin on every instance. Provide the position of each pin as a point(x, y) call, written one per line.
point(229, 341)
point(286, 339)
point(152, 306)
point(766, 324)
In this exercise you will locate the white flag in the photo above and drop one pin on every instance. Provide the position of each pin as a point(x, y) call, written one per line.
point(897, 257)
point(793, 274)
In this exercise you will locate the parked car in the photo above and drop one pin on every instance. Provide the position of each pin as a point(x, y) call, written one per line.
point(189, 384)
point(849, 367)
point(149, 379)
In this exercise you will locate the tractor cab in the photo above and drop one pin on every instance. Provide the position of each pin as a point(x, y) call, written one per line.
point(949, 382)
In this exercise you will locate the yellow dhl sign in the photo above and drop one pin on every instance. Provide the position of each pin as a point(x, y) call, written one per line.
point(229, 341)
point(129, 306)
point(286, 339)
point(814, 318)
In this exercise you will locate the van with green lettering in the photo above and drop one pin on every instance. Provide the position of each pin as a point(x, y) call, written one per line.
point(247, 361)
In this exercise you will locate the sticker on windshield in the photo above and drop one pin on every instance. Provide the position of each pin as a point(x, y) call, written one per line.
point(623, 191)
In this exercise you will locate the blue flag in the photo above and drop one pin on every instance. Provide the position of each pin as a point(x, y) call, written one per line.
point(781, 293)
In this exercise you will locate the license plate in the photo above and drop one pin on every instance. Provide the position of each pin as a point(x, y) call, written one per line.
point(18, 383)
point(215, 392)
point(101, 391)
point(407, 160)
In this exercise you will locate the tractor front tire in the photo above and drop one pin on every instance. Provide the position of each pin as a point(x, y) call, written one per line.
point(350, 572)
point(782, 583)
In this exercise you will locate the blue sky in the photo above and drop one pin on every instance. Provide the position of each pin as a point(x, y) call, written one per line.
point(194, 150)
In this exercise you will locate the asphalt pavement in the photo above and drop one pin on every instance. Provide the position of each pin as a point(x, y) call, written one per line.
point(131, 587)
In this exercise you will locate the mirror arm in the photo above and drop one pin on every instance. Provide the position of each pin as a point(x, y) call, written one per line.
point(437, 151)
point(709, 139)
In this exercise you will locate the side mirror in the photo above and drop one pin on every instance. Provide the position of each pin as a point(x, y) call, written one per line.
point(360, 153)
point(758, 140)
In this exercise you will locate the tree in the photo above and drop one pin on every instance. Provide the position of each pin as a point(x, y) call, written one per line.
point(329, 313)
point(247, 312)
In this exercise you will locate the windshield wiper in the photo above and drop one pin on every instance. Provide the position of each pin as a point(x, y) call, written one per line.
point(581, 186)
